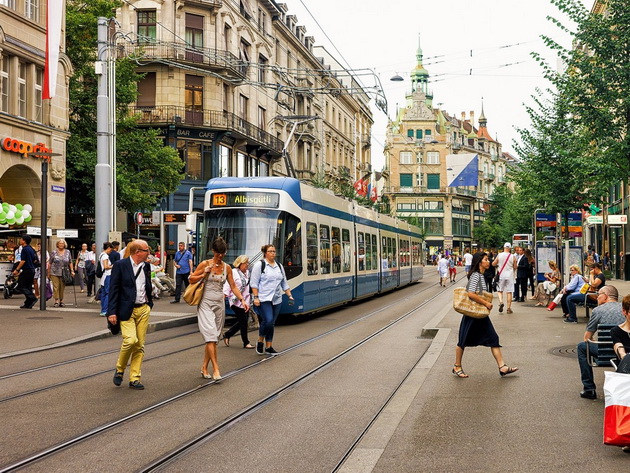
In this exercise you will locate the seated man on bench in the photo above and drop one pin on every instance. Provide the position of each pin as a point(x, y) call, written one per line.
point(596, 280)
point(607, 312)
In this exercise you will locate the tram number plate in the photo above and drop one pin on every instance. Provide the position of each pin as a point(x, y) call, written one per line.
point(245, 199)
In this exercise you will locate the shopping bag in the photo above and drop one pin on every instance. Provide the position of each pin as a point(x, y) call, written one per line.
point(617, 409)
point(552, 305)
point(585, 287)
point(49, 289)
point(466, 306)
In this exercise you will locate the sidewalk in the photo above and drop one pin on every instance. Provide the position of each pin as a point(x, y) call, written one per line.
point(531, 421)
point(24, 330)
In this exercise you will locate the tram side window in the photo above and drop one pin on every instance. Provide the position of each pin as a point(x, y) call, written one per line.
point(336, 250)
point(361, 252)
point(324, 248)
point(345, 243)
point(393, 253)
point(374, 252)
point(311, 248)
point(384, 262)
point(368, 252)
point(404, 253)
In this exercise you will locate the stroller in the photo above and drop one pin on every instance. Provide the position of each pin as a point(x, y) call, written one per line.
point(10, 284)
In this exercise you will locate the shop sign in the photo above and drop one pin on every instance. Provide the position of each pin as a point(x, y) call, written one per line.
point(199, 134)
point(68, 233)
point(21, 147)
point(37, 231)
point(617, 219)
point(57, 188)
point(595, 219)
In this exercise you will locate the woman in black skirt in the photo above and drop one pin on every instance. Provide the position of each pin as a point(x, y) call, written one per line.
point(474, 332)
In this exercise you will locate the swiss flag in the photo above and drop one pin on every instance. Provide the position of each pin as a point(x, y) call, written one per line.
point(617, 409)
point(361, 186)
point(373, 194)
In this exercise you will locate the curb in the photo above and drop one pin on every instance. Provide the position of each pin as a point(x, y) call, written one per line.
point(153, 327)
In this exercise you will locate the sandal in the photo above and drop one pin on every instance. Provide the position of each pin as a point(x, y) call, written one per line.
point(226, 341)
point(56, 304)
point(249, 345)
point(61, 304)
point(509, 370)
point(459, 372)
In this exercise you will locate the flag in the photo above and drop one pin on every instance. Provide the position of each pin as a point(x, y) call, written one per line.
point(374, 194)
point(462, 169)
point(361, 186)
point(54, 18)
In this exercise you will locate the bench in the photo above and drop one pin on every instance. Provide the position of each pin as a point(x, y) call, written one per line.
point(588, 303)
point(605, 353)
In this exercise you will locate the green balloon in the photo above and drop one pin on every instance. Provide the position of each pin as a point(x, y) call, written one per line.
point(3, 216)
point(10, 221)
point(5, 206)
point(19, 206)
point(29, 218)
point(17, 213)
point(3, 221)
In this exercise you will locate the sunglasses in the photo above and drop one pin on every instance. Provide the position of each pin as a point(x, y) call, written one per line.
point(144, 249)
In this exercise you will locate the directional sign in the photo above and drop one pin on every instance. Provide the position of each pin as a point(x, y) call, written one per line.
point(595, 219)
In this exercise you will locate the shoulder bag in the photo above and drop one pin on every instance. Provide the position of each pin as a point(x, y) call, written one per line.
point(495, 281)
point(68, 280)
point(194, 291)
point(466, 306)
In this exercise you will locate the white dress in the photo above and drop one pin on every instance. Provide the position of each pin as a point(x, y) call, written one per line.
point(211, 309)
point(443, 267)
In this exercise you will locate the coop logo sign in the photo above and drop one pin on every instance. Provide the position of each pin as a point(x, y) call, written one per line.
point(21, 147)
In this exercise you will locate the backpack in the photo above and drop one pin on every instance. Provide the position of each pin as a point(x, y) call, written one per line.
point(263, 264)
point(99, 270)
point(590, 261)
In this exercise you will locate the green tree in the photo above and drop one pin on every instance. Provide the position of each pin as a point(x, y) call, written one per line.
point(146, 170)
point(595, 88)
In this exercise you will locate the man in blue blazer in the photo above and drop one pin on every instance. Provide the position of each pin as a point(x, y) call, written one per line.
point(130, 303)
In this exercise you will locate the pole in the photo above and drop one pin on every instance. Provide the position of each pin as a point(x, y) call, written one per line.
point(44, 236)
point(102, 175)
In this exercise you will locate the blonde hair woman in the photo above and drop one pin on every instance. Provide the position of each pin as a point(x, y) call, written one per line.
point(60, 259)
point(548, 286)
point(575, 284)
point(240, 273)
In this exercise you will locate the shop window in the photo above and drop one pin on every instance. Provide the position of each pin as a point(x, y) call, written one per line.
point(311, 248)
point(345, 244)
point(225, 161)
point(147, 23)
point(193, 160)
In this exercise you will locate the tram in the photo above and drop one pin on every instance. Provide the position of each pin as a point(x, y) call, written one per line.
point(333, 250)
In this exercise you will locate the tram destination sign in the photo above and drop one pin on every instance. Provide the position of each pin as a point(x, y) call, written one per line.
point(245, 199)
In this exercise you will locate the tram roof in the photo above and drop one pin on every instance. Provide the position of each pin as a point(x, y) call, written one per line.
point(287, 184)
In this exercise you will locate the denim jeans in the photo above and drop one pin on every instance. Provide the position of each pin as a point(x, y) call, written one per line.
point(179, 280)
point(105, 295)
point(586, 370)
point(268, 314)
point(572, 300)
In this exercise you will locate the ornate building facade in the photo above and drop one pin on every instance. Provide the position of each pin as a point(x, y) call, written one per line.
point(419, 144)
point(239, 89)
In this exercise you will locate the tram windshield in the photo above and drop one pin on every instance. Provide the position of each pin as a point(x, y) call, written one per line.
point(246, 230)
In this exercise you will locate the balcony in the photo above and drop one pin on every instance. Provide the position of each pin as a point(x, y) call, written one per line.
point(161, 115)
point(412, 190)
point(204, 3)
point(489, 176)
point(223, 62)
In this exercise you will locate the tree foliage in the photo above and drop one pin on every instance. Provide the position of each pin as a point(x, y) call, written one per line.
point(146, 170)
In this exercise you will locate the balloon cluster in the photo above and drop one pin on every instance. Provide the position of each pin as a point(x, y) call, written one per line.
point(15, 214)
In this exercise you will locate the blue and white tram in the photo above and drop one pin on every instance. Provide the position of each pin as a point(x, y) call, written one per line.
point(333, 250)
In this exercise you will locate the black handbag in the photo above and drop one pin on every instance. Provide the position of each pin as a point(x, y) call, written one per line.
point(624, 365)
point(68, 280)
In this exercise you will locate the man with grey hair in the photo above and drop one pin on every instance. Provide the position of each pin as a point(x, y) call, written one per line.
point(609, 312)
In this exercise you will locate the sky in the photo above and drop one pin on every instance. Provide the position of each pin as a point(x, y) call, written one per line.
point(473, 51)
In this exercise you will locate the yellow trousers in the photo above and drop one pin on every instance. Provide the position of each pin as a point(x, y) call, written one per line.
point(133, 332)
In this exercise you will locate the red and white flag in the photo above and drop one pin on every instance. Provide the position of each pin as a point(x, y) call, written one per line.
point(54, 19)
point(361, 186)
point(373, 194)
point(617, 410)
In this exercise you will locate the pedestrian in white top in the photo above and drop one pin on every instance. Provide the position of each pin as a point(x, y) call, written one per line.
point(467, 260)
point(506, 265)
point(443, 269)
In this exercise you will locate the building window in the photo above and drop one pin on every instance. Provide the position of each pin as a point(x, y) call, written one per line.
point(419, 180)
point(406, 180)
point(4, 83)
point(264, 169)
point(8, 3)
point(147, 23)
point(241, 165)
point(243, 55)
point(405, 206)
point(22, 89)
point(243, 106)
point(461, 227)
point(433, 157)
point(146, 90)
point(433, 225)
point(262, 68)
point(410, 133)
point(433, 205)
point(31, 9)
point(262, 21)
point(227, 36)
point(193, 160)
point(433, 181)
point(225, 160)
point(418, 134)
point(406, 157)
point(194, 99)
point(39, 80)
point(262, 118)
point(194, 37)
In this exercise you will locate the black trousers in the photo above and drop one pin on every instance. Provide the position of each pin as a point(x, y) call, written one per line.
point(241, 324)
point(520, 288)
point(91, 284)
point(179, 280)
point(25, 286)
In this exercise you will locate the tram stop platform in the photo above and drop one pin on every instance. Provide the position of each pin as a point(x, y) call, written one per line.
point(531, 421)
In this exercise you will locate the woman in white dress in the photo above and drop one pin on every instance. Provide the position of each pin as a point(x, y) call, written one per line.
point(211, 309)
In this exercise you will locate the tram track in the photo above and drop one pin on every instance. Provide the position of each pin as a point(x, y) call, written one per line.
point(222, 426)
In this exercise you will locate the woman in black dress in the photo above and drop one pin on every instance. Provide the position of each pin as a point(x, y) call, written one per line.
point(474, 332)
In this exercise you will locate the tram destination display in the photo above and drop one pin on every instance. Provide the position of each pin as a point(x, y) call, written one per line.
point(245, 199)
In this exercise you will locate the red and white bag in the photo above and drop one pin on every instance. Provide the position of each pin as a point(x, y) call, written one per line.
point(552, 305)
point(617, 409)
